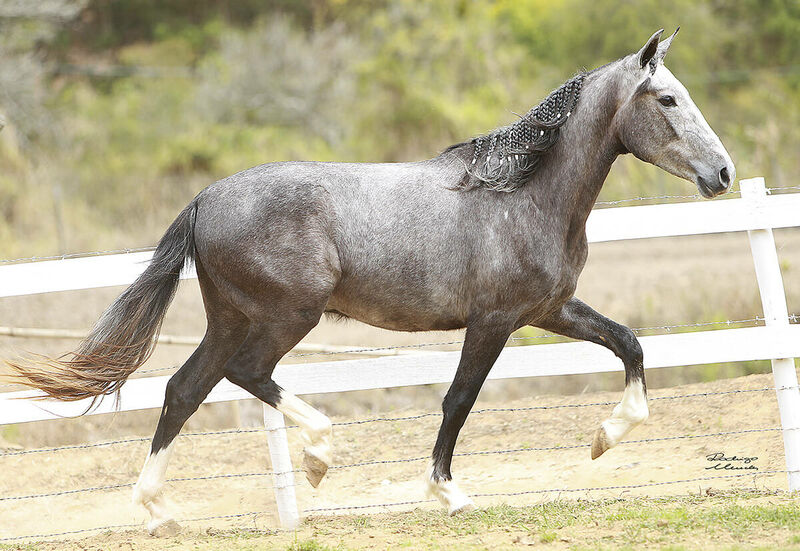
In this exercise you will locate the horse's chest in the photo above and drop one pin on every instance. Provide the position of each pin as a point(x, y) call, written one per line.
point(543, 281)
point(552, 286)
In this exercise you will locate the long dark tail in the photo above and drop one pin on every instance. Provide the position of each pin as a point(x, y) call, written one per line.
point(124, 336)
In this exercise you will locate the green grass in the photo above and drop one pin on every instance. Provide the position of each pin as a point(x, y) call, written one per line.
point(620, 524)
point(548, 536)
point(733, 520)
point(310, 545)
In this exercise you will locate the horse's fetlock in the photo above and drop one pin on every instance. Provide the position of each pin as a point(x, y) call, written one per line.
point(324, 426)
point(144, 492)
point(319, 432)
point(639, 415)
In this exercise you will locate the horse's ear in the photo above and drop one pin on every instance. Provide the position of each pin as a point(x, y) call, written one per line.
point(664, 46)
point(649, 50)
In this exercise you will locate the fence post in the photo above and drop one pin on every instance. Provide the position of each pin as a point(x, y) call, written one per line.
point(773, 300)
point(283, 477)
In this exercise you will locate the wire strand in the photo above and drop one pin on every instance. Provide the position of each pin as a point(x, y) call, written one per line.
point(384, 420)
point(403, 503)
point(387, 462)
point(558, 490)
point(152, 248)
point(141, 525)
point(69, 256)
point(255, 514)
point(131, 484)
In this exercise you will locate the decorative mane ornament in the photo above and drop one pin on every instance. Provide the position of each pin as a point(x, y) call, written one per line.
point(506, 158)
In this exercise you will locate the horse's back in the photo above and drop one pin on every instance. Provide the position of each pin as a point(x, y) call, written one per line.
point(297, 197)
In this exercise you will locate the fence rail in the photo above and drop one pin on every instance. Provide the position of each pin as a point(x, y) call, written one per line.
point(778, 340)
point(702, 347)
point(614, 224)
point(304, 348)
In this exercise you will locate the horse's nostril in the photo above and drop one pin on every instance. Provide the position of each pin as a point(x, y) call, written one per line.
point(724, 177)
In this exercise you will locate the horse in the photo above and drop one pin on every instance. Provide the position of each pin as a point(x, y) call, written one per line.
point(489, 236)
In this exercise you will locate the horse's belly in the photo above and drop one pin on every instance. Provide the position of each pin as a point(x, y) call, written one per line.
point(394, 307)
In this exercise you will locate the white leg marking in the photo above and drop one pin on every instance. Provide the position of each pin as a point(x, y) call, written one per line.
point(631, 411)
point(315, 432)
point(148, 489)
point(448, 494)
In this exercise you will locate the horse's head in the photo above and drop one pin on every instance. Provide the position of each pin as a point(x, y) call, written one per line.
point(658, 122)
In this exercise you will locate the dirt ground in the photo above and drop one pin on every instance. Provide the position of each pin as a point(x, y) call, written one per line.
point(522, 469)
point(730, 520)
point(640, 283)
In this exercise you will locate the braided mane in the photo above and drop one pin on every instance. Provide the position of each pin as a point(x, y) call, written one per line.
point(506, 158)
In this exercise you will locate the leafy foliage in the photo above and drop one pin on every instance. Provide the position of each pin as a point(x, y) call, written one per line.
point(119, 111)
point(309, 84)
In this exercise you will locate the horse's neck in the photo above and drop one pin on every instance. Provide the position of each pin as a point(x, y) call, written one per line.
point(574, 170)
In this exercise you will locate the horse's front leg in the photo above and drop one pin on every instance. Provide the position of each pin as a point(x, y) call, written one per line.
point(579, 321)
point(484, 341)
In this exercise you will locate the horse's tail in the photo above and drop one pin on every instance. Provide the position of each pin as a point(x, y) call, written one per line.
point(124, 336)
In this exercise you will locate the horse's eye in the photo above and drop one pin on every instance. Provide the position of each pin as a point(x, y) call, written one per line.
point(667, 101)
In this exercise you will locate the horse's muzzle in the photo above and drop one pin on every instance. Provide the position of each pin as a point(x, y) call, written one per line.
point(718, 183)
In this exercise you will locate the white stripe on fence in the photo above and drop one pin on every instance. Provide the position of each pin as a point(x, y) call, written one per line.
point(612, 224)
point(572, 358)
point(754, 212)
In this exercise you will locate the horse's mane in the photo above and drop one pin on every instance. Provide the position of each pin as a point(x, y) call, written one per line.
point(506, 158)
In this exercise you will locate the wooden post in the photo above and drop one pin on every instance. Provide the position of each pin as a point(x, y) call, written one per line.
point(283, 479)
point(773, 300)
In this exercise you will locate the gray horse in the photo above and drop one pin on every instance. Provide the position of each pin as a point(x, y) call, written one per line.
point(489, 235)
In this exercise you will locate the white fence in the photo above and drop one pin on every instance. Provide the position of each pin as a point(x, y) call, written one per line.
point(779, 341)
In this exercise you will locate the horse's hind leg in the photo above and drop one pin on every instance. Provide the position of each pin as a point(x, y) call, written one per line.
point(579, 321)
point(252, 366)
point(185, 391)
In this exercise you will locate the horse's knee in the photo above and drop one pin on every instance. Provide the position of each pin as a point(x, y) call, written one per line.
point(456, 405)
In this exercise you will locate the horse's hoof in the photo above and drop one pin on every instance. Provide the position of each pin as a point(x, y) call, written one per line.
point(600, 443)
point(166, 529)
point(463, 509)
point(315, 468)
